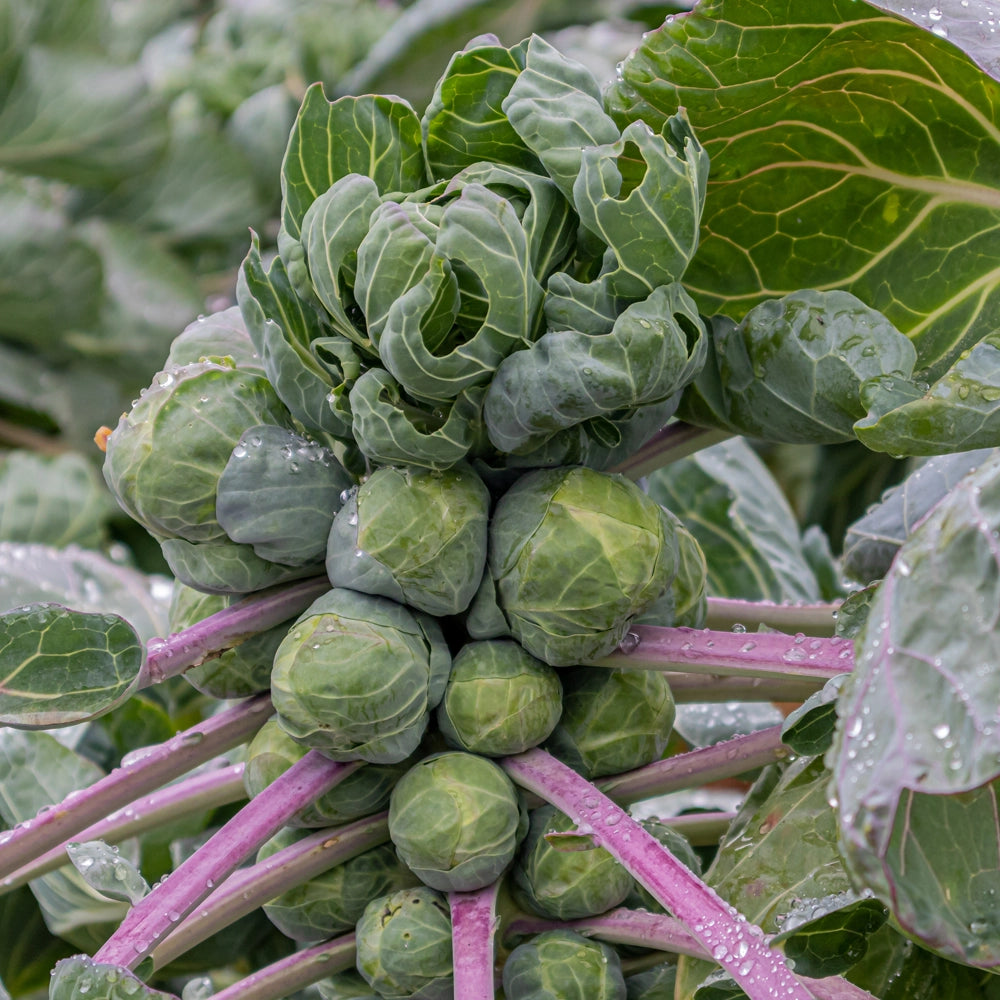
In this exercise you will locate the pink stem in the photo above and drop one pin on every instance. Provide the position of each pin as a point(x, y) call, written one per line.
point(474, 922)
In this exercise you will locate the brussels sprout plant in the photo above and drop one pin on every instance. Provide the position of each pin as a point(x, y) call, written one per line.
point(530, 678)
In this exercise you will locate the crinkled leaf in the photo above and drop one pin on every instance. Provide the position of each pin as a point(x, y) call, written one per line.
point(279, 492)
point(78, 118)
point(780, 849)
point(566, 377)
point(842, 139)
point(85, 580)
point(960, 411)
point(286, 333)
point(555, 107)
point(463, 124)
point(377, 137)
point(104, 869)
point(916, 749)
point(59, 500)
point(731, 503)
point(81, 978)
point(58, 667)
point(808, 729)
point(482, 250)
point(873, 540)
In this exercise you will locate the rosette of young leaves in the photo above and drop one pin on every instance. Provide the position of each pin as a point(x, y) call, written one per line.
point(567, 377)
point(332, 903)
point(568, 877)
point(363, 792)
point(404, 945)
point(575, 555)
point(166, 455)
point(793, 369)
point(416, 536)
point(456, 821)
point(563, 965)
point(278, 494)
point(499, 700)
point(238, 672)
point(612, 720)
point(357, 675)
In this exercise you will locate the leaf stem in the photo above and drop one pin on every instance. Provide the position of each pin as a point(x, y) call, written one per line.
point(737, 945)
point(204, 791)
point(474, 924)
point(151, 919)
point(701, 688)
point(250, 887)
point(138, 775)
point(744, 654)
point(815, 619)
point(227, 628)
point(675, 441)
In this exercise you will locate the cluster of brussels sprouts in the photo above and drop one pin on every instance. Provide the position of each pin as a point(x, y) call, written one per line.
point(417, 397)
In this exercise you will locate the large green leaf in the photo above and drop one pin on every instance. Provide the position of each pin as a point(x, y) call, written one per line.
point(843, 141)
point(917, 747)
point(81, 978)
point(59, 667)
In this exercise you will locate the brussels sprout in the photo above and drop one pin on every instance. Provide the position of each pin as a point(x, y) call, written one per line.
point(657, 983)
point(679, 846)
point(684, 602)
point(165, 457)
point(612, 720)
point(499, 700)
point(357, 675)
point(332, 902)
point(416, 536)
point(566, 884)
point(562, 965)
point(576, 555)
point(238, 672)
point(347, 985)
point(455, 819)
point(221, 337)
point(404, 945)
point(363, 792)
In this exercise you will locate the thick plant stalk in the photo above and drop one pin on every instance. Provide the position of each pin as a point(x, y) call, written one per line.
point(743, 654)
point(288, 975)
point(200, 793)
point(474, 923)
point(142, 773)
point(676, 441)
point(730, 613)
point(251, 887)
point(151, 919)
point(737, 945)
point(227, 628)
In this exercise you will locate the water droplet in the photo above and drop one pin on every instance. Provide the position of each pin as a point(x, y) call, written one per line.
point(239, 452)
point(738, 627)
point(941, 731)
point(630, 642)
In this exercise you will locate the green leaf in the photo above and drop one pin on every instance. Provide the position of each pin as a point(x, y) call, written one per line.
point(376, 137)
point(105, 869)
point(736, 511)
point(842, 140)
point(654, 349)
point(916, 749)
point(81, 978)
point(808, 729)
point(463, 123)
point(960, 411)
point(59, 667)
point(30, 950)
point(77, 118)
point(59, 500)
point(873, 540)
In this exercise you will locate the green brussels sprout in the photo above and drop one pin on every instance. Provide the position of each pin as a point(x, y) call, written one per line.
point(363, 792)
point(685, 602)
point(680, 847)
point(566, 884)
point(221, 337)
point(332, 902)
point(414, 535)
point(563, 965)
point(657, 983)
point(241, 671)
point(346, 985)
point(357, 676)
point(499, 700)
point(404, 945)
point(165, 457)
point(456, 821)
point(576, 554)
point(612, 720)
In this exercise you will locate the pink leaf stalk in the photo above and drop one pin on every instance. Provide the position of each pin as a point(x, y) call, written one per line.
point(474, 923)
